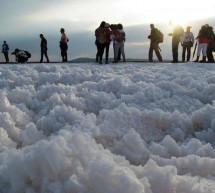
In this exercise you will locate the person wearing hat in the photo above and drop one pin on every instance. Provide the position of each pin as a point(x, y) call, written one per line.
point(43, 46)
point(5, 50)
point(21, 56)
point(187, 42)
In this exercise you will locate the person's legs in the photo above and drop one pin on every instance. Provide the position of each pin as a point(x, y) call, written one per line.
point(183, 53)
point(151, 52)
point(116, 51)
point(107, 46)
point(175, 51)
point(46, 55)
point(41, 58)
point(157, 52)
point(6, 57)
point(188, 53)
point(122, 50)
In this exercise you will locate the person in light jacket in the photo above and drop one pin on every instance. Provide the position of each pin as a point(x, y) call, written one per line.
point(187, 42)
point(119, 38)
point(21, 56)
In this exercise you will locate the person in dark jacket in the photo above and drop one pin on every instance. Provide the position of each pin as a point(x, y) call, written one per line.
point(21, 56)
point(5, 50)
point(176, 37)
point(101, 40)
point(210, 48)
point(154, 44)
point(44, 48)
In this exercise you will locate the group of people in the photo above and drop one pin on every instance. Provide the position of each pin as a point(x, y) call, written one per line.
point(106, 33)
point(22, 56)
point(206, 43)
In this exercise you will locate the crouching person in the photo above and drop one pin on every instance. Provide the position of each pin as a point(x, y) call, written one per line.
point(21, 56)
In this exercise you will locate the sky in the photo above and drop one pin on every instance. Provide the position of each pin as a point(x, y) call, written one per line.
point(22, 22)
point(115, 128)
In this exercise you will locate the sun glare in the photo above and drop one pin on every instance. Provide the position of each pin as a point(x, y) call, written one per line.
point(165, 11)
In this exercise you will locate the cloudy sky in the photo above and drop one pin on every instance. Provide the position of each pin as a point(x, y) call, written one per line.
point(22, 21)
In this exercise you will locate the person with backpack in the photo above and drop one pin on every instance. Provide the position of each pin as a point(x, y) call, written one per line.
point(5, 50)
point(156, 37)
point(43, 46)
point(63, 45)
point(176, 37)
point(102, 34)
point(187, 41)
point(203, 38)
point(119, 39)
point(21, 56)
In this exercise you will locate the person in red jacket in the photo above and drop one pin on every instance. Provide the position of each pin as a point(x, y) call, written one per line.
point(203, 38)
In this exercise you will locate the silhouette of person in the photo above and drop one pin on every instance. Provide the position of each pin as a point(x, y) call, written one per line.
point(63, 45)
point(154, 44)
point(187, 42)
point(211, 43)
point(5, 50)
point(44, 48)
point(176, 37)
point(102, 34)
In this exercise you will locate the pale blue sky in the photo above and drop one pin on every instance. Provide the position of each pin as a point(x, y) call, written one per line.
point(22, 21)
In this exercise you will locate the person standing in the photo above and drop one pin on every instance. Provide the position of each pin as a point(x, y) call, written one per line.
point(211, 44)
point(176, 37)
point(119, 38)
point(63, 45)
point(187, 42)
point(100, 49)
point(154, 44)
point(5, 50)
point(102, 34)
point(203, 38)
point(44, 48)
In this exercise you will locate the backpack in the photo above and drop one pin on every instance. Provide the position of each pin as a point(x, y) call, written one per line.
point(102, 36)
point(119, 36)
point(159, 36)
point(28, 54)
